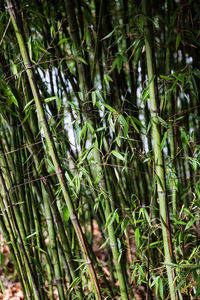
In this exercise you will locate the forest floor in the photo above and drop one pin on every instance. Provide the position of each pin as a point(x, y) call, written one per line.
point(10, 288)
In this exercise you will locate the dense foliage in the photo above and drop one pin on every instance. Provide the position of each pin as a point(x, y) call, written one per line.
point(99, 135)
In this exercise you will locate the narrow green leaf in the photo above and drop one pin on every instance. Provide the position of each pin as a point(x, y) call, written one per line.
point(83, 131)
point(118, 155)
point(107, 79)
point(82, 60)
point(110, 34)
point(161, 288)
point(190, 223)
point(194, 85)
point(163, 122)
point(59, 104)
point(2, 287)
point(137, 56)
point(162, 145)
point(31, 235)
point(28, 104)
point(66, 213)
point(94, 97)
point(166, 77)
point(50, 164)
point(99, 96)
point(63, 41)
point(111, 219)
point(110, 108)
point(40, 249)
point(44, 50)
point(50, 99)
point(124, 124)
point(178, 39)
point(137, 237)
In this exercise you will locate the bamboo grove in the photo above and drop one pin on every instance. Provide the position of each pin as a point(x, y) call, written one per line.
point(99, 147)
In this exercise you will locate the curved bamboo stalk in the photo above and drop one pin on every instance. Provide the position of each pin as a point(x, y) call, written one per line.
point(84, 82)
point(158, 156)
point(52, 149)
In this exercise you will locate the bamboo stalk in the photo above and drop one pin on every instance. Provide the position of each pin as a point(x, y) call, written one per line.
point(15, 215)
point(43, 120)
point(158, 156)
point(37, 155)
point(20, 236)
point(54, 248)
point(85, 87)
point(170, 109)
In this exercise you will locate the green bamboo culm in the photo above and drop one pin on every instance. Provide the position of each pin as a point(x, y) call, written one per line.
point(159, 165)
point(170, 104)
point(48, 194)
point(84, 87)
point(52, 149)
point(35, 284)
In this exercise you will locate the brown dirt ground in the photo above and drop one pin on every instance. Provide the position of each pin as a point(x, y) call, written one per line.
point(11, 284)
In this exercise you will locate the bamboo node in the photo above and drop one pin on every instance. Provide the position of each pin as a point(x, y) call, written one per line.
point(88, 262)
point(73, 217)
point(113, 245)
point(101, 182)
point(27, 66)
point(59, 280)
point(161, 192)
point(9, 7)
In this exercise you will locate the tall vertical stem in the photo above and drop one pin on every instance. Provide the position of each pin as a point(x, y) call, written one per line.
point(159, 165)
point(51, 145)
point(170, 109)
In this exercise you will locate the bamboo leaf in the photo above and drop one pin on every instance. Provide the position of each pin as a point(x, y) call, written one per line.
point(62, 41)
point(94, 98)
point(28, 104)
point(99, 96)
point(110, 108)
point(66, 213)
point(83, 132)
point(162, 145)
point(161, 288)
point(82, 60)
point(138, 54)
point(124, 124)
point(190, 223)
point(118, 155)
point(107, 79)
point(59, 104)
point(168, 78)
point(178, 39)
point(104, 244)
point(44, 50)
point(137, 237)
point(2, 287)
point(27, 114)
point(111, 219)
point(50, 164)
point(194, 85)
point(50, 99)
point(31, 235)
point(110, 34)
point(162, 121)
